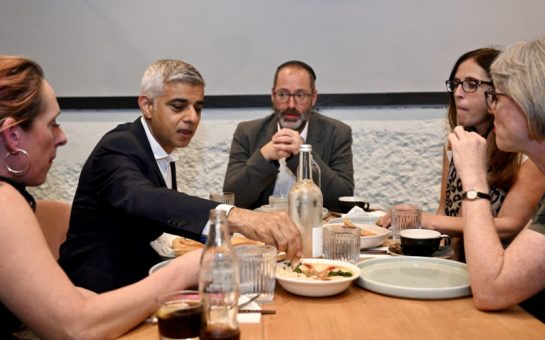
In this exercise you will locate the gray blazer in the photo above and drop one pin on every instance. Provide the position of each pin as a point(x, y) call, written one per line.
point(252, 178)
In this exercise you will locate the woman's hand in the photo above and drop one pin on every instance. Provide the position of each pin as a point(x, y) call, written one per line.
point(469, 154)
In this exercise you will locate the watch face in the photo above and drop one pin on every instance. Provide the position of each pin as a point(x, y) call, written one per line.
point(471, 195)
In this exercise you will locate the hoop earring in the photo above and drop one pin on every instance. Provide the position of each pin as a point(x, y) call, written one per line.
point(13, 171)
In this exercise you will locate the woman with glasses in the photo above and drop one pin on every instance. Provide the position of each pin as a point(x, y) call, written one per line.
point(504, 277)
point(34, 289)
point(515, 188)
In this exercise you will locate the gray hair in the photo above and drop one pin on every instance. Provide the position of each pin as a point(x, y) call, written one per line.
point(520, 72)
point(165, 71)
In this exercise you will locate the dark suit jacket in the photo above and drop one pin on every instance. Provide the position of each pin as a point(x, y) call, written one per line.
point(251, 177)
point(121, 205)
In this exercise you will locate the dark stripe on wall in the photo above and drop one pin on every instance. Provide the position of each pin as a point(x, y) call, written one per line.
point(260, 101)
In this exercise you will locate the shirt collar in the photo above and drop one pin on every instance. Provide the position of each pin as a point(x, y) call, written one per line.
point(158, 152)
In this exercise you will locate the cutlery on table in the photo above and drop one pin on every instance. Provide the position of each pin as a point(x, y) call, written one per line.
point(246, 303)
point(260, 311)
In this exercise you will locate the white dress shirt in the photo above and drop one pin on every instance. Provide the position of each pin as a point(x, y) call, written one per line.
point(163, 244)
point(286, 178)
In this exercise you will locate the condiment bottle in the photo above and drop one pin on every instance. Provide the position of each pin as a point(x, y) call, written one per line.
point(305, 205)
point(219, 282)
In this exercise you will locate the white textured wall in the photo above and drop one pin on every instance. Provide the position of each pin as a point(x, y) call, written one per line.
point(397, 151)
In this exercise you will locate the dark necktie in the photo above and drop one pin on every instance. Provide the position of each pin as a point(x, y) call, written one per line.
point(173, 175)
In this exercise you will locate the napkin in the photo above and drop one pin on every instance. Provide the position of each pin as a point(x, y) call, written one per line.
point(163, 245)
point(249, 317)
point(359, 212)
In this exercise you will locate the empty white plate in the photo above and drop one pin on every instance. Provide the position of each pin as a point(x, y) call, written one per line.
point(415, 277)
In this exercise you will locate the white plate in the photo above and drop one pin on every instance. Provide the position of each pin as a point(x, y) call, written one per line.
point(361, 220)
point(268, 208)
point(415, 277)
point(158, 266)
point(367, 242)
point(318, 288)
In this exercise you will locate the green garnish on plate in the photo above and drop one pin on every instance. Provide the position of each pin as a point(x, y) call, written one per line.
point(340, 273)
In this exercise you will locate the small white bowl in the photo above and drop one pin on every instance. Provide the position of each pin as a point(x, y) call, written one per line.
point(158, 266)
point(361, 220)
point(367, 242)
point(318, 288)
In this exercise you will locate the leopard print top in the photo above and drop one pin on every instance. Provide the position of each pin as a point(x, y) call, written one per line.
point(454, 194)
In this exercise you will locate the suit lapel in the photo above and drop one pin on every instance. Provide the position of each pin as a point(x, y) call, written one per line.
point(314, 135)
point(138, 130)
point(270, 129)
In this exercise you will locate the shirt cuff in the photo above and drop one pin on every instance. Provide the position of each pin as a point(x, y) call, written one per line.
point(225, 207)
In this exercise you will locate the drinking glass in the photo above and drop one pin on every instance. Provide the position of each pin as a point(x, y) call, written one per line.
point(342, 243)
point(405, 216)
point(278, 202)
point(223, 197)
point(257, 266)
point(179, 315)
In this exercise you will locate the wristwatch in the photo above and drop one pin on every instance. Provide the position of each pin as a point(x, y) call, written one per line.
point(472, 195)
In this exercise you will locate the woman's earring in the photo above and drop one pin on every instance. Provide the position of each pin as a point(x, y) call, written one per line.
point(13, 171)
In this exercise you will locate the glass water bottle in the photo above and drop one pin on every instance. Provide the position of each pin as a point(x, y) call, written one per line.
point(305, 205)
point(219, 282)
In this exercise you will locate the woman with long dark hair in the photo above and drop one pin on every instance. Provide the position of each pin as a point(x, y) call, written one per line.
point(504, 277)
point(516, 185)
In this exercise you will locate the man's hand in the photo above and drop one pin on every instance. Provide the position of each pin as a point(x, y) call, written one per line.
point(283, 144)
point(274, 228)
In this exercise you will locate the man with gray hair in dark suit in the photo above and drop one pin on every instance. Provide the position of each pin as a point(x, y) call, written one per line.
point(127, 196)
point(263, 158)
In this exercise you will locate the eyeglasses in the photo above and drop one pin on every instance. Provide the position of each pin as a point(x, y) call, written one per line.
point(492, 99)
point(300, 97)
point(469, 85)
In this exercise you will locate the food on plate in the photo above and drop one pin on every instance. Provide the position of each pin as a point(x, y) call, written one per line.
point(241, 240)
point(314, 271)
point(363, 232)
point(348, 223)
point(182, 245)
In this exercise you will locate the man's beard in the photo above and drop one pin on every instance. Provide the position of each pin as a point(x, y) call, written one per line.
point(296, 124)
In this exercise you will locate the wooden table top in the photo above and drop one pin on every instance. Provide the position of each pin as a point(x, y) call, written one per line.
point(360, 314)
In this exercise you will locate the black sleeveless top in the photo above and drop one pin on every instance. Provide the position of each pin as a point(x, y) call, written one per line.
point(9, 322)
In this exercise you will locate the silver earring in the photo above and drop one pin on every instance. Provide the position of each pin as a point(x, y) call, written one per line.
point(25, 168)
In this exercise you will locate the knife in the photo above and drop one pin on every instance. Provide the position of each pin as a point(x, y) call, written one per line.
point(260, 311)
point(374, 251)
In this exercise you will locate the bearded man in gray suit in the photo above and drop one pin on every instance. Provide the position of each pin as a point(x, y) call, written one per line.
point(264, 152)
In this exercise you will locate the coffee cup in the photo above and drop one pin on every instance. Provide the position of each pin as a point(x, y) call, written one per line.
point(423, 242)
point(348, 202)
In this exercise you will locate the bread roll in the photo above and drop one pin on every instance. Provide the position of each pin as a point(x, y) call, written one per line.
point(182, 245)
point(241, 240)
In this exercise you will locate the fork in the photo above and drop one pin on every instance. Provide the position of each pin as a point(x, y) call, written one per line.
point(244, 304)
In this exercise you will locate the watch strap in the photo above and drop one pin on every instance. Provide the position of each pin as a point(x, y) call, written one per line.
point(473, 195)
